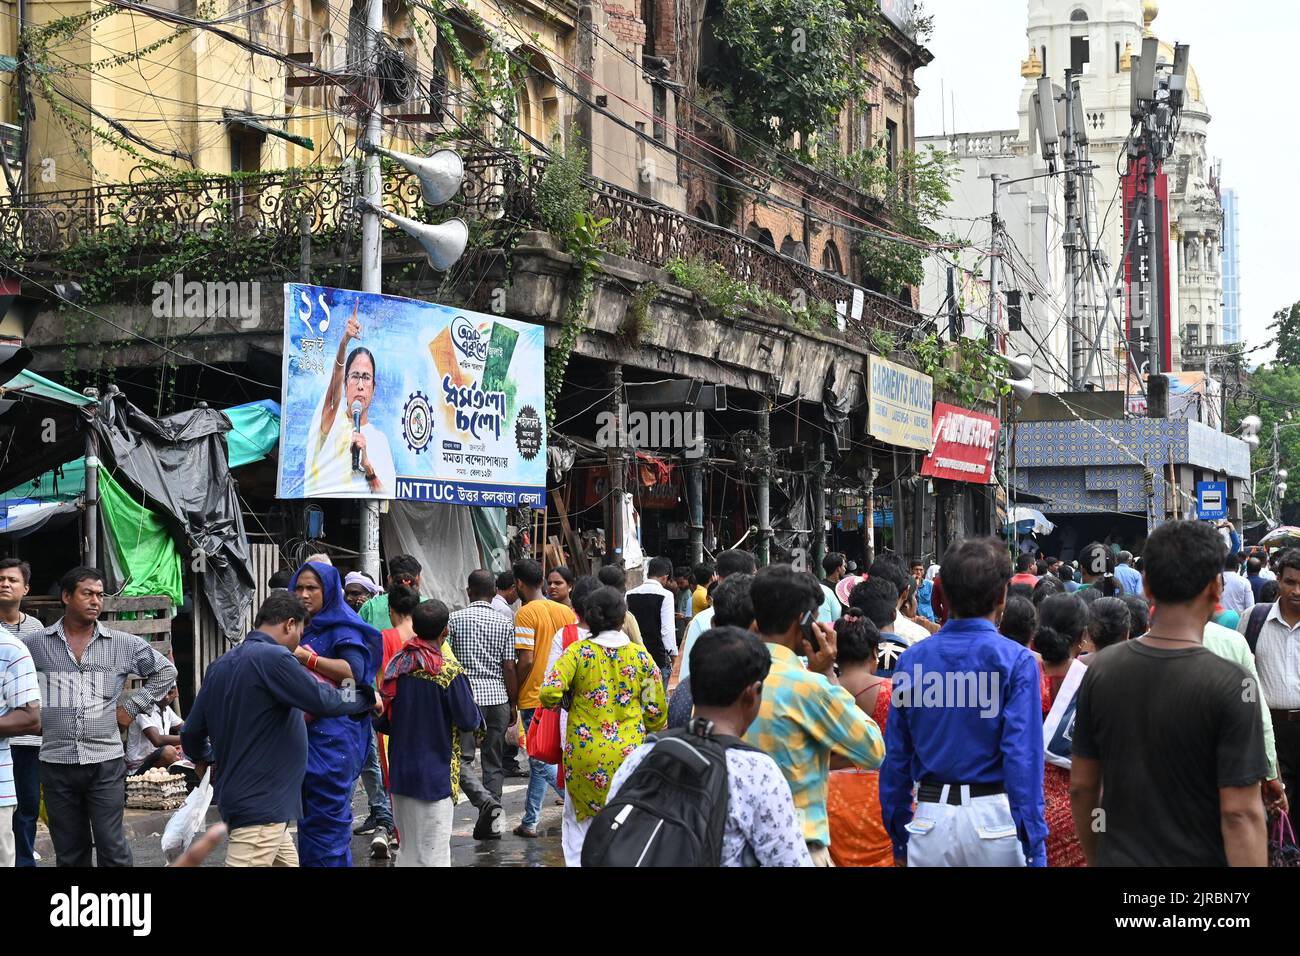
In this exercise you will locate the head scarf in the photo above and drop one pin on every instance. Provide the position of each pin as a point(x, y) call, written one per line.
point(361, 580)
point(931, 573)
point(417, 654)
point(336, 625)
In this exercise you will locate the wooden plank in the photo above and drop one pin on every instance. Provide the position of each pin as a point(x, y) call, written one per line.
point(146, 626)
point(580, 564)
point(150, 602)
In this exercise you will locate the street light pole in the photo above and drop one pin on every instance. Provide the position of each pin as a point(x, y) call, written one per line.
point(371, 258)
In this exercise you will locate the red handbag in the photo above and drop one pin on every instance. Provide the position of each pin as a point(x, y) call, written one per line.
point(544, 742)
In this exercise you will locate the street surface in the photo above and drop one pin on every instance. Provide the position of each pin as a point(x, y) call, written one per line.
point(145, 827)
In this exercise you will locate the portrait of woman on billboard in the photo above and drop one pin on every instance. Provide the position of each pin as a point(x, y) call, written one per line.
point(351, 455)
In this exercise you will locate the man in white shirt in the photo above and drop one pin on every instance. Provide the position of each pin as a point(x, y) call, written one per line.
point(651, 603)
point(507, 596)
point(154, 739)
point(1277, 657)
point(729, 562)
point(1237, 595)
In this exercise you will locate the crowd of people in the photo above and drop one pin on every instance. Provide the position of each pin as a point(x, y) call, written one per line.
point(964, 714)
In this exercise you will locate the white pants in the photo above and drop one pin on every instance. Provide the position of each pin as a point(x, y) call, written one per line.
point(573, 832)
point(979, 832)
point(424, 827)
point(7, 849)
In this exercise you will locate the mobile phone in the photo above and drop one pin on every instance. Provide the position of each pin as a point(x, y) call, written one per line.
point(809, 634)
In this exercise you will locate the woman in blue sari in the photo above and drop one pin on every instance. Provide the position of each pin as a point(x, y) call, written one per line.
point(337, 647)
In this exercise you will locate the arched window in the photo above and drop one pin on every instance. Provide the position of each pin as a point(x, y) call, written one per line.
point(1079, 16)
point(831, 259)
point(703, 211)
point(793, 248)
point(760, 235)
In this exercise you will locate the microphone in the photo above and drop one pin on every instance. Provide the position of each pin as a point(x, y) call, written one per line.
point(356, 429)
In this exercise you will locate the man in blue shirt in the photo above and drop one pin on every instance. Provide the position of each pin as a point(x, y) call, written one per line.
point(251, 708)
point(1127, 575)
point(966, 728)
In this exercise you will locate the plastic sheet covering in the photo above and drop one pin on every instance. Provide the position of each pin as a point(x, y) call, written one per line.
point(441, 538)
point(493, 543)
point(835, 409)
point(178, 466)
point(146, 554)
point(23, 516)
point(254, 434)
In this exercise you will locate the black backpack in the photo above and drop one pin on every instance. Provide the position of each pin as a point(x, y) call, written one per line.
point(672, 810)
point(1255, 623)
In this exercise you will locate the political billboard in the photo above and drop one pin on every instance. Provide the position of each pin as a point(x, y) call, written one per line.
point(386, 397)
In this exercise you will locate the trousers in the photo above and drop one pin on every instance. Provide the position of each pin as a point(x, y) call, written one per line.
point(425, 826)
point(540, 774)
point(979, 832)
point(269, 844)
point(85, 804)
point(491, 757)
point(27, 785)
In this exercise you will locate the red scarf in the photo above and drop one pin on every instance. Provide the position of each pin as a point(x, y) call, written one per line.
point(416, 655)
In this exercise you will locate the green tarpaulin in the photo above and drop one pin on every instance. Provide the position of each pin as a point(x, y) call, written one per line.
point(145, 550)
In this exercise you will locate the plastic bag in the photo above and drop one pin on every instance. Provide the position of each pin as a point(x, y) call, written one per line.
point(186, 822)
point(1282, 848)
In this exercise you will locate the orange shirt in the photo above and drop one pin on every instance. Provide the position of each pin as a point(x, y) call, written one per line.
point(535, 627)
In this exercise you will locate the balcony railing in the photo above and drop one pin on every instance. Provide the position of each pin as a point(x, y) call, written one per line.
point(150, 214)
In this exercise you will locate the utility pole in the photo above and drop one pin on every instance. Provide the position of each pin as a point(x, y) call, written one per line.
point(1154, 248)
point(762, 492)
point(91, 544)
point(614, 458)
point(1069, 155)
point(371, 257)
point(995, 252)
point(819, 509)
point(24, 107)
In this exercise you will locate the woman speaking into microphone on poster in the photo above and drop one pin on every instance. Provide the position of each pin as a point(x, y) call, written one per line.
point(352, 457)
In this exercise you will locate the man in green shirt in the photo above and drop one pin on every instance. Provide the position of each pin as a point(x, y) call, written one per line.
point(402, 569)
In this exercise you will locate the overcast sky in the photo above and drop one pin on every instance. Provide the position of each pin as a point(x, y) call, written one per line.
point(1244, 55)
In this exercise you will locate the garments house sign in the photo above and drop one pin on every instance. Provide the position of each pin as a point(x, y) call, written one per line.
point(901, 402)
point(964, 442)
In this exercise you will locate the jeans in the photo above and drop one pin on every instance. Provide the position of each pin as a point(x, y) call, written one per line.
point(488, 790)
point(85, 805)
point(372, 778)
point(539, 775)
point(27, 785)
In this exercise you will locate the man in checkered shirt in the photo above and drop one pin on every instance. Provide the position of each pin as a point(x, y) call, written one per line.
point(83, 669)
point(484, 643)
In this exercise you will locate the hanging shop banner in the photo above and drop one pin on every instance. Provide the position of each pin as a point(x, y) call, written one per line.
point(901, 403)
point(964, 445)
point(386, 397)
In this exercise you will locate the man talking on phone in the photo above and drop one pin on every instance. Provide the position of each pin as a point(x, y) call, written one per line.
point(805, 712)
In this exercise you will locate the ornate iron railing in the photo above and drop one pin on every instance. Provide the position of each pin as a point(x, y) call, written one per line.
point(150, 213)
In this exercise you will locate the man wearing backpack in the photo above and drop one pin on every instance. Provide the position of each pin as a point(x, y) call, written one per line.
point(1273, 633)
point(805, 712)
point(728, 668)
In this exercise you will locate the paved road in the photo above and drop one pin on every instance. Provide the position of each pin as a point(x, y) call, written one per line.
point(145, 827)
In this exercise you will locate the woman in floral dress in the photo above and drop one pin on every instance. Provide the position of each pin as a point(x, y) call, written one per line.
point(615, 696)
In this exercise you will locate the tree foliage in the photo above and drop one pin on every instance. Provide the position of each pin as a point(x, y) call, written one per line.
point(1286, 325)
point(789, 65)
point(1273, 395)
point(915, 193)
